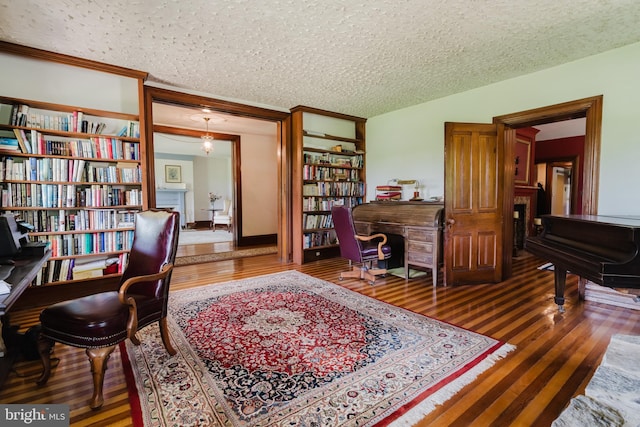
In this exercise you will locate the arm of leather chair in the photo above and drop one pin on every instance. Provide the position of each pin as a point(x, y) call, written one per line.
point(132, 324)
point(375, 236)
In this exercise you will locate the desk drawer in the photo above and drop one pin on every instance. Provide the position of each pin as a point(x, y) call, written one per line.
point(419, 247)
point(419, 258)
point(420, 234)
point(387, 228)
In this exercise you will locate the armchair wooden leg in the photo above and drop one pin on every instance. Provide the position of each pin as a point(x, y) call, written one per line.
point(164, 332)
point(98, 358)
point(44, 350)
point(134, 339)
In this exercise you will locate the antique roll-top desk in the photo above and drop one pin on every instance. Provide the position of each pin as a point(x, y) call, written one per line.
point(419, 223)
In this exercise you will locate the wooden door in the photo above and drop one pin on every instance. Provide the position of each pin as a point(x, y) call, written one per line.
point(474, 203)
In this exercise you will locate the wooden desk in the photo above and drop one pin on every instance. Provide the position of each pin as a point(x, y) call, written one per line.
point(21, 277)
point(419, 223)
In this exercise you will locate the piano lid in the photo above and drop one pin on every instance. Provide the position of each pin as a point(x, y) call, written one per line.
point(602, 248)
point(624, 220)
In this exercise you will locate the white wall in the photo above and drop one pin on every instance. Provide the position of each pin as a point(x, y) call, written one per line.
point(213, 175)
point(409, 143)
point(63, 84)
point(259, 185)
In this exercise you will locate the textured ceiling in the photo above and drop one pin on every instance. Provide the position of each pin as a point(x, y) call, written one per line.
point(357, 57)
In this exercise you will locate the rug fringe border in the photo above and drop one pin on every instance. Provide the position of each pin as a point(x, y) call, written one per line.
point(426, 406)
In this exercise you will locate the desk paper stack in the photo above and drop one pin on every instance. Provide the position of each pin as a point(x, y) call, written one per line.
point(388, 192)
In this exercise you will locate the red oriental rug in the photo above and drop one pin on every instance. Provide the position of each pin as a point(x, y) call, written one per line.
point(288, 349)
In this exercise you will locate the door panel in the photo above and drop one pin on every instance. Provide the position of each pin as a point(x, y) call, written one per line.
point(487, 246)
point(474, 154)
point(461, 255)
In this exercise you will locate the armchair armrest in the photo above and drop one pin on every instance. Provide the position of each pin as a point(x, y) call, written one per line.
point(132, 323)
point(375, 236)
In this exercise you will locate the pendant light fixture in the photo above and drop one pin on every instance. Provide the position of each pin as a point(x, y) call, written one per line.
point(207, 140)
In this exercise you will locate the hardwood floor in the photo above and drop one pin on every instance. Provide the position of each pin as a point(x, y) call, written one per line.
point(555, 357)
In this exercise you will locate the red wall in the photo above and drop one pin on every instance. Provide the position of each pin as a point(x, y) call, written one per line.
point(564, 149)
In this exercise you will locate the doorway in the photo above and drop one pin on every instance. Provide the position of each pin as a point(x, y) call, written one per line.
point(559, 180)
point(591, 110)
point(243, 196)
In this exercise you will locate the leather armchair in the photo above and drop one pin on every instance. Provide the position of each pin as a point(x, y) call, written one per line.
point(358, 249)
point(99, 322)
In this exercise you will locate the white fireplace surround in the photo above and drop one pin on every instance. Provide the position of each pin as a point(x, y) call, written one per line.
point(172, 198)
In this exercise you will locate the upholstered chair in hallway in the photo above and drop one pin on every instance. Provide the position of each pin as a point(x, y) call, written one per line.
point(99, 322)
point(225, 216)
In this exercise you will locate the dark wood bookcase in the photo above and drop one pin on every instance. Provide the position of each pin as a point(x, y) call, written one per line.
point(77, 177)
point(328, 169)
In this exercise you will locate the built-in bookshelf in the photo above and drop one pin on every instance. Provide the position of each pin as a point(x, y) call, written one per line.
point(328, 170)
point(74, 174)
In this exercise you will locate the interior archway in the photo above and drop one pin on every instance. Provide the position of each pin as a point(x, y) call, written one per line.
point(158, 95)
point(589, 108)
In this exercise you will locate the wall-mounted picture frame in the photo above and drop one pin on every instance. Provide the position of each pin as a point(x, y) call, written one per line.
point(523, 162)
point(172, 173)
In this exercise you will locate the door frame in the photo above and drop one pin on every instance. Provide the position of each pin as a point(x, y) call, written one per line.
point(153, 94)
point(589, 108)
point(573, 163)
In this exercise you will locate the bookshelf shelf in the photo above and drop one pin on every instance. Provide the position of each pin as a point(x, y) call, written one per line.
point(67, 134)
point(96, 230)
point(86, 279)
point(328, 166)
point(74, 174)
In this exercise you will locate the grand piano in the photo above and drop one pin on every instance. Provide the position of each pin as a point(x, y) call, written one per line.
point(602, 249)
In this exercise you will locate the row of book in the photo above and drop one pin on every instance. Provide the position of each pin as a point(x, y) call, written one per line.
point(311, 204)
point(63, 245)
point(321, 238)
point(311, 221)
point(77, 121)
point(316, 172)
point(327, 159)
point(78, 268)
point(68, 170)
point(34, 142)
point(45, 221)
point(334, 189)
point(68, 196)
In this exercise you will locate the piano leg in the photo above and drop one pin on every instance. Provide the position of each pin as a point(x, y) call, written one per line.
point(582, 286)
point(560, 275)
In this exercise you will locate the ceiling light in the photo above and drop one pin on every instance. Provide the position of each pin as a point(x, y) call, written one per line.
point(207, 140)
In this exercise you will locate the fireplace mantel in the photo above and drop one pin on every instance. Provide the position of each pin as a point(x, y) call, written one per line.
point(172, 198)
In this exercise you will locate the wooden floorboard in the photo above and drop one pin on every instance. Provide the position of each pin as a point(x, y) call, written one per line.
point(556, 353)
